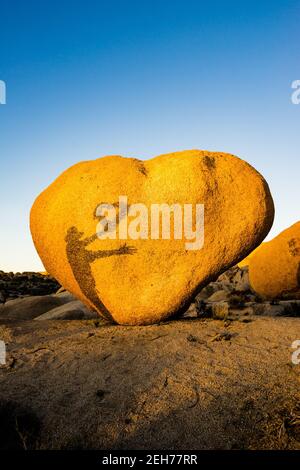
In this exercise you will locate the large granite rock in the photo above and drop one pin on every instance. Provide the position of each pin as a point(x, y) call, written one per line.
point(275, 268)
point(139, 279)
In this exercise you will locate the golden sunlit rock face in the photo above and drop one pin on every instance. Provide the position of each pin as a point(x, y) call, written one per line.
point(274, 270)
point(246, 261)
point(141, 277)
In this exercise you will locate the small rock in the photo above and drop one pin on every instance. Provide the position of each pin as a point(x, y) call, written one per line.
point(237, 300)
point(217, 310)
point(236, 278)
point(220, 310)
point(28, 308)
point(269, 310)
point(207, 291)
point(74, 310)
point(218, 296)
point(291, 307)
point(241, 280)
point(192, 338)
point(224, 336)
point(60, 290)
point(66, 296)
point(192, 312)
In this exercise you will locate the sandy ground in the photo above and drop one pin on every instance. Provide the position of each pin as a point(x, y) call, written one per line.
point(185, 384)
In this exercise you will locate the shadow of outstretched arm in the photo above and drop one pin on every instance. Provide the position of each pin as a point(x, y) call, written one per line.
point(123, 250)
point(91, 239)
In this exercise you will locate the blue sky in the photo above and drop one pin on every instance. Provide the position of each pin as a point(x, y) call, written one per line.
point(141, 78)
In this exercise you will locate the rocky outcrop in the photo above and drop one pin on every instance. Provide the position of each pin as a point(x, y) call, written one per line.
point(14, 285)
point(229, 297)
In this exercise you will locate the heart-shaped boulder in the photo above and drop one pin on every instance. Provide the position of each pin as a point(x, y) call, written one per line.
point(136, 240)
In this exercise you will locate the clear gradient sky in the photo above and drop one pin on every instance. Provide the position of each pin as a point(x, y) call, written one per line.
point(140, 78)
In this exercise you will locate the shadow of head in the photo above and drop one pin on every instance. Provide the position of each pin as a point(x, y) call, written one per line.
point(74, 233)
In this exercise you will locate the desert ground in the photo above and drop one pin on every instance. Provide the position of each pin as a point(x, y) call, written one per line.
point(194, 382)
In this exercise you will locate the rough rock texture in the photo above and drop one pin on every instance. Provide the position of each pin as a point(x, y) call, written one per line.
point(274, 269)
point(87, 384)
point(148, 280)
